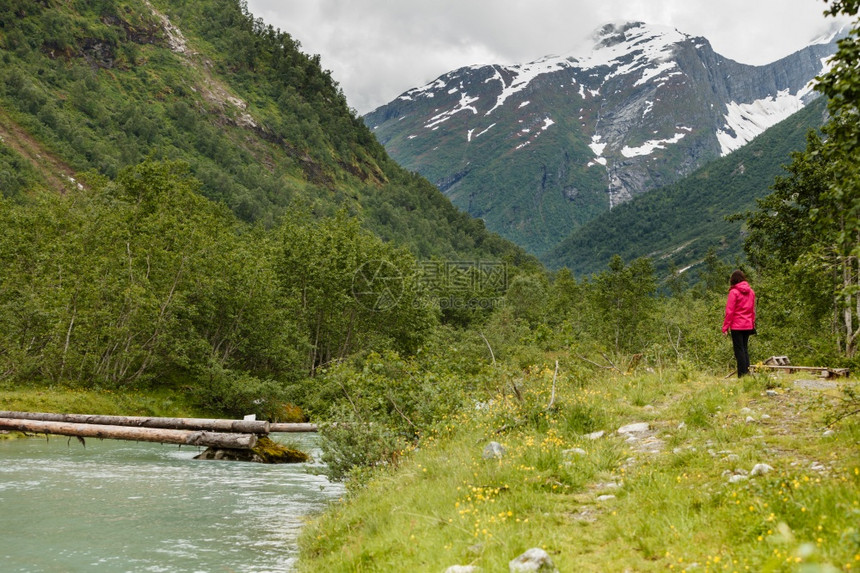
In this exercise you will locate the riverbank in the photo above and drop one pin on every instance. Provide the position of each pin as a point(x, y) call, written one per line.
point(657, 471)
point(160, 402)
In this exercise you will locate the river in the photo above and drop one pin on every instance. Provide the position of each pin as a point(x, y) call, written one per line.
point(117, 506)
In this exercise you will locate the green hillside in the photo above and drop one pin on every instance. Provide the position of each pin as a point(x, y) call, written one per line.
point(100, 85)
point(678, 224)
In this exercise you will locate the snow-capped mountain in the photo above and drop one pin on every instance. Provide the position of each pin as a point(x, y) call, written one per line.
point(539, 148)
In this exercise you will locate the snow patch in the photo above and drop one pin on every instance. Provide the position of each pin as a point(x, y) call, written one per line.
point(485, 131)
point(648, 147)
point(745, 121)
point(463, 105)
point(546, 123)
point(596, 146)
point(524, 104)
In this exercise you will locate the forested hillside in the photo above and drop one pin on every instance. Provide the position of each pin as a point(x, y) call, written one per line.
point(676, 226)
point(104, 84)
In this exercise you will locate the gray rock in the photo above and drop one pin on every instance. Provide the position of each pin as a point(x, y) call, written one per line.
point(573, 452)
point(761, 469)
point(493, 450)
point(737, 477)
point(535, 559)
point(594, 435)
point(605, 497)
point(828, 433)
point(462, 569)
point(636, 428)
point(750, 420)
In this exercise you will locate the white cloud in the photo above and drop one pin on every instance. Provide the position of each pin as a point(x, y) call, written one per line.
point(377, 49)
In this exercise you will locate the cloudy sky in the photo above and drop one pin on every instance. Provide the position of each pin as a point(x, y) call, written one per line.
point(377, 49)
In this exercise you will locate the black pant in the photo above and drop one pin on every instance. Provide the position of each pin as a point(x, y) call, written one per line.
point(740, 341)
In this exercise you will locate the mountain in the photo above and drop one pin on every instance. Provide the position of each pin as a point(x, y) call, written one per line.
point(677, 225)
point(538, 149)
point(100, 85)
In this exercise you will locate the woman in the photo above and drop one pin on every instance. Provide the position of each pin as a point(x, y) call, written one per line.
point(740, 319)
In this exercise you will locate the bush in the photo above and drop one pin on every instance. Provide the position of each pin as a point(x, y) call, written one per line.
point(239, 394)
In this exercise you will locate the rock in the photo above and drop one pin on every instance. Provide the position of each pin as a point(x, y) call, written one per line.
point(732, 458)
point(765, 417)
point(771, 392)
point(737, 477)
point(750, 420)
point(636, 428)
point(682, 425)
point(746, 411)
point(462, 569)
point(605, 497)
point(573, 452)
point(535, 559)
point(493, 450)
point(594, 435)
point(828, 433)
point(818, 467)
point(761, 469)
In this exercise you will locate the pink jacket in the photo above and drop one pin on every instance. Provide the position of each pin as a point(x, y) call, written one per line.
point(740, 308)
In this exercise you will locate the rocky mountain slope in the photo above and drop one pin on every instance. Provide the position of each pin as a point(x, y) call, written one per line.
point(538, 149)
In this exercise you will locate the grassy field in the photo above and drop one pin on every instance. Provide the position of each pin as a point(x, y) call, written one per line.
point(165, 402)
point(685, 494)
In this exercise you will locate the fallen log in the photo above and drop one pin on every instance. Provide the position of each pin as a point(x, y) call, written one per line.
point(209, 424)
point(162, 435)
point(291, 427)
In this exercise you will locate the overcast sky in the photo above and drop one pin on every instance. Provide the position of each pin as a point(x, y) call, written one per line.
point(377, 49)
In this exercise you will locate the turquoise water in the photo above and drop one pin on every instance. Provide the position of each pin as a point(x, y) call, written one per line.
point(117, 506)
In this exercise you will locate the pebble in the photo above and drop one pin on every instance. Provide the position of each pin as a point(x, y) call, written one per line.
point(750, 420)
point(828, 433)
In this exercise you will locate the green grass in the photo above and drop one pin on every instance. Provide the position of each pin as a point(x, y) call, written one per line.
point(672, 510)
point(164, 402)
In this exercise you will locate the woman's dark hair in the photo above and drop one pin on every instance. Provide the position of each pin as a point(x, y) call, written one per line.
point(737, 277)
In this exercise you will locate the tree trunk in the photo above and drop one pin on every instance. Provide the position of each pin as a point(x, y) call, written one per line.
point(164, 436)
point(282, 427)
point(207, 424)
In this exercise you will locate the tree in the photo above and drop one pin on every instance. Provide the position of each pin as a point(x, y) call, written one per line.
point(624, 297)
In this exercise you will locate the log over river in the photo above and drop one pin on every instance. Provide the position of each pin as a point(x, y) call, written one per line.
point(125, 506)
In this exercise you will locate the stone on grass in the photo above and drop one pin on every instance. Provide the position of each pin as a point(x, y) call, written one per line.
point(605, 497)
point(462, 569)
point(828, 433)
point(761, 469)
point(594, 435)
point(750, 420)
point(493, 450)
point(635, 428)
point(737, 477)
point(573, 452)
point(535, 559)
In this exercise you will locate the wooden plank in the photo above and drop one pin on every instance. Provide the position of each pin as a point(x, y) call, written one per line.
point(207, 424)
point(162, 435)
